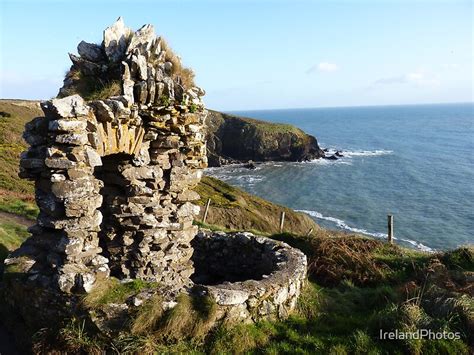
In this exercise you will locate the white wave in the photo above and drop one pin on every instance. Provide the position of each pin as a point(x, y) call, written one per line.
point(366, 153)
point(343, 225)
point(325, 162)
point(359, 153)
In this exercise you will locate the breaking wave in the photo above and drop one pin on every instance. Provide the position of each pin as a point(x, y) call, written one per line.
point(343, 225)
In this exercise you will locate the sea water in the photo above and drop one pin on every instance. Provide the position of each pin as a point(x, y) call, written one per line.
point(415, 162)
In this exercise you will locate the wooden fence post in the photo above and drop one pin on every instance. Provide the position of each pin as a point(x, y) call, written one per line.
point(282, 221)
point(206, 210)
point(390, 228)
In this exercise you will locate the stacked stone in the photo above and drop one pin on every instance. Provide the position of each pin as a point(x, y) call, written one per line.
point(114, 177)
point(249, 277)
point(61, 160)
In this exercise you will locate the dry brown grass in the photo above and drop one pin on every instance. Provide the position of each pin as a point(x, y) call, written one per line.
point(9, 195)
point(185, 76)
point(335, 259)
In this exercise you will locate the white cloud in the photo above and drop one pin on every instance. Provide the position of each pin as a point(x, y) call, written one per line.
point(324, 67)
point(417, 78)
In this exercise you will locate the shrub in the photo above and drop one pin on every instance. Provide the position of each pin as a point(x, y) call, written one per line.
point(193, 108)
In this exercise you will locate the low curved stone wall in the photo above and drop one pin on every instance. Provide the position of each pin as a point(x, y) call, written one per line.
point(249, 277)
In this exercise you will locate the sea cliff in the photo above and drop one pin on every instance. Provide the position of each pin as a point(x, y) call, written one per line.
point(235, 139)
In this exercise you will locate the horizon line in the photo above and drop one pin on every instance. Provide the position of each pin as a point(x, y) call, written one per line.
point(295, 108)
point(349, 106)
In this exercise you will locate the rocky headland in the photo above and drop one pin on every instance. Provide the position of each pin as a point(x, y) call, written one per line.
point(235, 139)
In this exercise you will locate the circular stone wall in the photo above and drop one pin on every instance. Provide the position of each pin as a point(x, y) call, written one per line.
point(249, 277)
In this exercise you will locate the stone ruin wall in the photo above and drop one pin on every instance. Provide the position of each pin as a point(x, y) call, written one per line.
point(113, 177)
point(114, 182)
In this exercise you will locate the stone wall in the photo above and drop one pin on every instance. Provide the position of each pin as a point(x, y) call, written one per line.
point(114, 181)
point(249, 277)
point(113, 177)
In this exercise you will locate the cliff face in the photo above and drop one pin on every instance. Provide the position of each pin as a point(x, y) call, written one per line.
point(239, 139)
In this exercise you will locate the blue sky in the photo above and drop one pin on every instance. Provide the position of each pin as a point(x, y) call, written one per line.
point(261, 54)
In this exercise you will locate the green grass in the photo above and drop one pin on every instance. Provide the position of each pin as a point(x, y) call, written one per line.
point(105, 91)
point(113, 291)
point(234, 209)
point(11, 236)
point(19, 207)
point(344, 317)
point(93, 87)
point(12, 144)
point(461, 258)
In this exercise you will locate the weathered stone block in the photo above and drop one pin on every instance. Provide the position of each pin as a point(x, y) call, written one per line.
point(67, 125)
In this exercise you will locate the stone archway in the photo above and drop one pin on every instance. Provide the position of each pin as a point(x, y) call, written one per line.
point(114, 183)
point(151, 136)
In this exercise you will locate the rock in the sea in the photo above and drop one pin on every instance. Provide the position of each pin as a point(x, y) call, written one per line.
point(332, 157)
point(250, 165)
point(339, 154)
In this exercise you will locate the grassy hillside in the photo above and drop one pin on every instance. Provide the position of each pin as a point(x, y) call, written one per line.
point(356, 285)
point(234, 209)
point(13, 116)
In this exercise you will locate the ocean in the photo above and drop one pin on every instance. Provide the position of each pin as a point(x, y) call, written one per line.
point(415, 162)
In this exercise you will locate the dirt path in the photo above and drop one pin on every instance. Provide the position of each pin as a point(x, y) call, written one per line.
point(11, 217)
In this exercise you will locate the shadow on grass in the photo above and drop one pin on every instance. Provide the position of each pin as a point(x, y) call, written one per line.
point(3, 255)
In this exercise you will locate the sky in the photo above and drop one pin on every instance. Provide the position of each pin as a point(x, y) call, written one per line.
point(261, 54)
